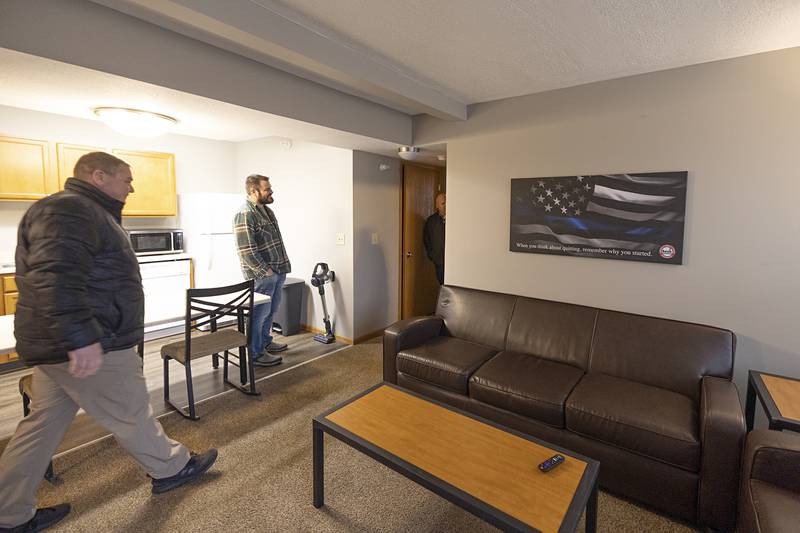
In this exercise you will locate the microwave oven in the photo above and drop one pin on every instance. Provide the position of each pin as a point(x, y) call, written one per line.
point(157, 241)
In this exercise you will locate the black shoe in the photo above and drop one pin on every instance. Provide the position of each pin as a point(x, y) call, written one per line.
point(196, 466)
point(277, 347)
point(44, 518)
point(266, 359)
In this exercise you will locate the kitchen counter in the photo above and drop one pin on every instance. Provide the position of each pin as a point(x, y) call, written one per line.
point(10, 268)
point(8, 341)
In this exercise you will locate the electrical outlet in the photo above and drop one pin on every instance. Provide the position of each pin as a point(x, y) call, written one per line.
point(340, 239)
point(374, 238)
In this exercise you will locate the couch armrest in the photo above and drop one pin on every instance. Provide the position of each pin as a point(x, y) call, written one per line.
point(722, 432)
point(773, 457)
point(406, 334)
point(770, 457)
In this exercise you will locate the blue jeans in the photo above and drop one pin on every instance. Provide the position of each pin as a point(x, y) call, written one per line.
point(261, 323)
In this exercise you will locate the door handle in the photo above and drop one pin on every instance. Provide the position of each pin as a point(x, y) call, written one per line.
point(408, 253)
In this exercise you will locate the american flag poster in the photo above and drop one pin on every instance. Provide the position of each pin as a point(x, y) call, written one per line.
point(636, 217)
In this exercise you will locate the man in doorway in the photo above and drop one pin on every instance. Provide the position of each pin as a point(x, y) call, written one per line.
point(79, 317)
point(263, 258)
point(433, 236)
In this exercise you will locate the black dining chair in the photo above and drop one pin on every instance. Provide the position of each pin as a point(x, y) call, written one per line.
point(204, 309)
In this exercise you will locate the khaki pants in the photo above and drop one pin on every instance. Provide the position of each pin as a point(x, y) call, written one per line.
point(116, 397)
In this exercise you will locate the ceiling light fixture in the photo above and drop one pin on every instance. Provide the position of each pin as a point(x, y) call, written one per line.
point(135, 121)
point(409, 153)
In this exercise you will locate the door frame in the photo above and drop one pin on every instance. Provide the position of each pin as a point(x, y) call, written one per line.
point(442, 179)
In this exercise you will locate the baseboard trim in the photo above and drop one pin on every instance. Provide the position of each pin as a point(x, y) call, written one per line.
point(368, 336)
point(312, 329)
point(345, 340)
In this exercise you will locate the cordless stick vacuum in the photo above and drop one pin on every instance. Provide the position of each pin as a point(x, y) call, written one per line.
point(319, 278)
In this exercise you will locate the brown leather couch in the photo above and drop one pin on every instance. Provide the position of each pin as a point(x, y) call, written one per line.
point(769, 495)
point(650, 398)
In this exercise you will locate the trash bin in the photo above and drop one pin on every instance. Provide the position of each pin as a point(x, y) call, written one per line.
point(286, 319)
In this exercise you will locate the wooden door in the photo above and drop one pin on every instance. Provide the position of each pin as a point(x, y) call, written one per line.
point(153, 184)
point(68, 155)
point(25, 169)
point(419, 286)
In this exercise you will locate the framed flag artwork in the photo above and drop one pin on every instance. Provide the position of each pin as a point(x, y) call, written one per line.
point(635, 217)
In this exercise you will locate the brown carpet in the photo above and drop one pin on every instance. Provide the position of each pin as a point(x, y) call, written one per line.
point(262, 480)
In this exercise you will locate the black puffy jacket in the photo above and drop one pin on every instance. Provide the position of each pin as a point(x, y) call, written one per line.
point(78, 277)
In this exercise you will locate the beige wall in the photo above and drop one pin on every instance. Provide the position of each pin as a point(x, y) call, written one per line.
point(734, 125)
point(376, 210)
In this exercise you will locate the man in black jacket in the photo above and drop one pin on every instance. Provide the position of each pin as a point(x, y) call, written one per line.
point(433, 236)
point(79, 317)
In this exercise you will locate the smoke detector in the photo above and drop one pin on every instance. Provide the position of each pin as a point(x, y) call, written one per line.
point(409, 153)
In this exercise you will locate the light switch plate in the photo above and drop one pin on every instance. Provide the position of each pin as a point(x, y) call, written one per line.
point(374, 238)
point(340, 239)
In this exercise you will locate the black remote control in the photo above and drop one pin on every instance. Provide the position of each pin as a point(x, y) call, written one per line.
point(551, 463)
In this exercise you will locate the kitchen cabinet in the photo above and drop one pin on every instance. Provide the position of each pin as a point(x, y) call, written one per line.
point(153, 184)
point(25, 174)
point(10, 294)
point(68, 155)
point(25, 169)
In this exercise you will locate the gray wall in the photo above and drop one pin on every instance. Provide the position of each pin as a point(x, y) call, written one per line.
point(734, 125)
point(313, 186)
point(83, 33)
point(376, 267)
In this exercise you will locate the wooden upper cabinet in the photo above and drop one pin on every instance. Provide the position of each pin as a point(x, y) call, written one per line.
point(68, 155)
point(25, 169)
point(153, 184)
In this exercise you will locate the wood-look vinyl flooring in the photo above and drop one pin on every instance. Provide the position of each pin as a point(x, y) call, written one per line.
point(207, 383)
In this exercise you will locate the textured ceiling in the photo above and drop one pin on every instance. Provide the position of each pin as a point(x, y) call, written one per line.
point(481, 50)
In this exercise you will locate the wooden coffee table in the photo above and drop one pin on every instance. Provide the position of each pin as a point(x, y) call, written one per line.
point(780, 398)
point(483, 467)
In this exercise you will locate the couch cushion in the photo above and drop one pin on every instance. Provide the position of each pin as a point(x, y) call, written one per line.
point(476, 316)
point(776, 509)
point(444, 361)
point(552, 330)
point(653, 422)
point(663, 353)
point(526, 385)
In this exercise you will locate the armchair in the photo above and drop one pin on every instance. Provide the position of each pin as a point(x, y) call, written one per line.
point(769, 492)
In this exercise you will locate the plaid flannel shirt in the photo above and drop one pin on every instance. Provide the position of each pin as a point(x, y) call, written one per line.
point(259, 242)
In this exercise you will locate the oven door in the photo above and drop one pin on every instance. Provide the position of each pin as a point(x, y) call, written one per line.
point(151, 242)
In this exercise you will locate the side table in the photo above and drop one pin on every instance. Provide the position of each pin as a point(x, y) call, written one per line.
point(780, 398)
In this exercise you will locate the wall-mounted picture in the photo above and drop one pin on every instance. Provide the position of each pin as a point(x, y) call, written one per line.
point(636, 217)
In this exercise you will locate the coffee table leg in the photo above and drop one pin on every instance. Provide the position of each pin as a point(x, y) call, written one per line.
point(591, 511)
point(750, 404)
point(319, 468)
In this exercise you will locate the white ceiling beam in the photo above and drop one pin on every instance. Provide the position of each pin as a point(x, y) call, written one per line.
point(262, 32)
point(86, 34)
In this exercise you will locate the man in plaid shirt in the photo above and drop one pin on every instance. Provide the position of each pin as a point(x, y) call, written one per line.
point(263, 258)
